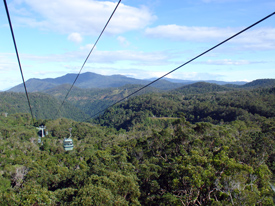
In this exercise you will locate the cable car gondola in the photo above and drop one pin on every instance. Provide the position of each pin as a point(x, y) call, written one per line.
point(41, 133)
point(68, 142)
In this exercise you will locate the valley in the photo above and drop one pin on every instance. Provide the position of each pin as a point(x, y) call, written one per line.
point(198, 144)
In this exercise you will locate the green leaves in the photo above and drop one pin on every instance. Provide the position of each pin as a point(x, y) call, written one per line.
point(159, 158)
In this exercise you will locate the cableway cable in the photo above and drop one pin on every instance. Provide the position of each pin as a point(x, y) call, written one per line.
point(88, 57)
point(203, 53)
point(18, 59)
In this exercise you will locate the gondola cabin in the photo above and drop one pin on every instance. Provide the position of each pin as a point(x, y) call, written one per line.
point(41, 133)
point(68, 144)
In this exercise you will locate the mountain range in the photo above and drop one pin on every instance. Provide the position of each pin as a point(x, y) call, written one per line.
point(93, 93)
point(92, 80)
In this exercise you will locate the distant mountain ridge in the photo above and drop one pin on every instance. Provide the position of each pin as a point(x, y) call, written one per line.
point(92, 80)
point(86, 81)
point(260, 83)
point(85, 102)
point(200, 88)
point(208, 81)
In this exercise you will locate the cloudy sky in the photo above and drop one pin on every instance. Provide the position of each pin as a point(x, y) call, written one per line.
point(145, 39)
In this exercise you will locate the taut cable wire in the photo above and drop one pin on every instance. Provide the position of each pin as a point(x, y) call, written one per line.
point(18, 59)
point(88, 56)
point(203, 53)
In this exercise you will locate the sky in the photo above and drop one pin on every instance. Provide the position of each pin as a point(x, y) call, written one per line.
point(144, 39)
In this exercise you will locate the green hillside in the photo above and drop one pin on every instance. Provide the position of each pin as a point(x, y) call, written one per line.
point(179, 163)
point(44, 106)
point(201, 88)
point(260, 83)
point(83, 103)
point(91, 101)
point(208, 107)
point(202, 144)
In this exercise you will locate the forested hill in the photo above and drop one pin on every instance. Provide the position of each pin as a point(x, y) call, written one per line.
point(80, 104)
point(176, 163)
point(90, 80)
point(206, 87)
point(91, 101)
point(83, 103)
point(180, 147)
point(96, 93)
point(208, 107)
point(260, 83)
point(43, 106)
point(201, 88)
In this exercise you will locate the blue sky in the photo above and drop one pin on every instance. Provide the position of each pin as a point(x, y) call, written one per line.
point(144, 39)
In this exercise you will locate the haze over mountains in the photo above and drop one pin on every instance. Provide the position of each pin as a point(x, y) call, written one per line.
point(92, 80)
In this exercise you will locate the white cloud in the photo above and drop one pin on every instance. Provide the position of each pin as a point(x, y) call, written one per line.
point(184, 33)
point(228, 62)
point(136, 57)
point(87, 47)
point(75, 37)
point(9, 71)
point(262, 38)
point(123, 41)
point(8, 62)
point(83, 16)
point(195, 76)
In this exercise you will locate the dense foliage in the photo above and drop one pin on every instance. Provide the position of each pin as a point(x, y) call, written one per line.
point(43, 106)
point(155, 149)
point(79, 105)
point(82, 103)
point(91, 101)
point(211, 107)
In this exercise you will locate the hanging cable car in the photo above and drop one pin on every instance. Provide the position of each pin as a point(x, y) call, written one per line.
point(41, 133)
point(68, 142)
